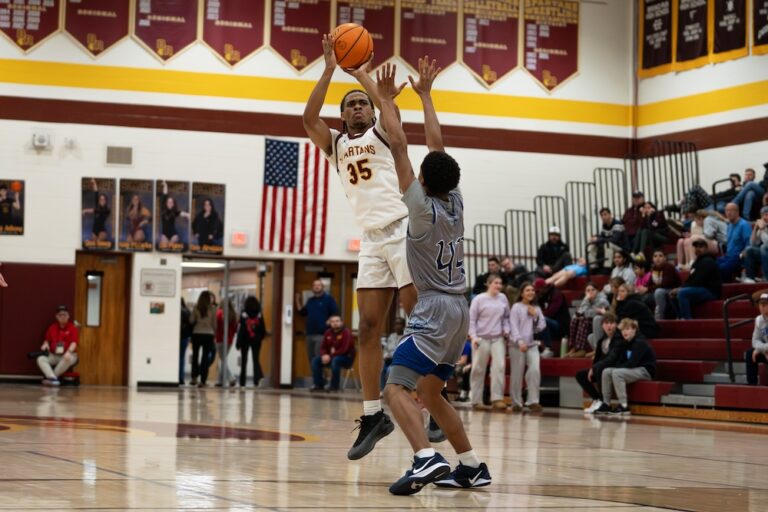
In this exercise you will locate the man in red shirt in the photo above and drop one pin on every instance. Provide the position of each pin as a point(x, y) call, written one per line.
point(337, 351)
point(61, 344)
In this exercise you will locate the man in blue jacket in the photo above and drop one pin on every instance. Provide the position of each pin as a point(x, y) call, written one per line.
point(318, 309)
point(739, 234)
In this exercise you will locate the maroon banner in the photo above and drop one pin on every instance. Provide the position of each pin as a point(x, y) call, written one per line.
point(28, 22)
point(490, 38)
point(378, 17)
point(730, 30)
point(551, 40)
point(655, 37)
point(97, 24)
point(429, 27)
point(297, 29)
point(165, 27)
point(234, 29)
point(760, 27)
point(692, 30)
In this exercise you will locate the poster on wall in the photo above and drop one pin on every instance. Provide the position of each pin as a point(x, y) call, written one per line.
point(655, 37)
point(378, 17)
point(429, 27)
point(27, 23)
point(97, 25)
point(760, 27)
point(165, 27)
point(729, 27)
point(11, 207)
point(99, 212)
point(490, 44)
point(297, 28)
point(208, 202)
point(691, 34)
point(137, 198)
point(172, 226)
point(551, 34)
point(233, 29)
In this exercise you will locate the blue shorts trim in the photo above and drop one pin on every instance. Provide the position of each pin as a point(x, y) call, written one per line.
point(408, 354)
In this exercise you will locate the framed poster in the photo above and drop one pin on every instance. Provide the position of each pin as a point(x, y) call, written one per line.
point(208, 202)
point(97, 25)
point(137, 200)
point(11, 207)
point(172, 226)
point(98, 205)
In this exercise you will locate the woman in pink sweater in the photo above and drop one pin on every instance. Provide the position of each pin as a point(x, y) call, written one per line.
point(525, 320)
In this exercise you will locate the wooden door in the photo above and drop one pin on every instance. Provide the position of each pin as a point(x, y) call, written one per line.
point(103, 349)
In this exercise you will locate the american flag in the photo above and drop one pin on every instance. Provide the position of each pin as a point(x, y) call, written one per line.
point(294, 202)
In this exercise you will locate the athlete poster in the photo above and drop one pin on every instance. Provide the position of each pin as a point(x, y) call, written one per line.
point(208, 202)
point(490, 44)
point(297, 28)
point(551, 35)
point(233, 29)
point(11, 207)
point(759, 27)
point(729, 28)
point(655, 37)
point(378, 17)
point(165, 27)
point(137, 198)
point(429, 27)
point(97, 25)
point(99, 213)
point(172, 208)
point(691, 34)
point(27, 23)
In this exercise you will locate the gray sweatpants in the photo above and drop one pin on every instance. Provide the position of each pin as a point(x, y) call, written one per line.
point(518, 361)
point(619, 378)
point(493, 349)
point(47, 364)
point(313, 346)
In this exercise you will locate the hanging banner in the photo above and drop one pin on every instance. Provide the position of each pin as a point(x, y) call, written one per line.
point(98, 203)
point(491, 32)
point(378, 17)
point(759, 27)
point(691, 34)
point(551, 30)
point(11, 207)
point(655, 37)
point(729, 29)
point(172, 226)
point(97, 24)
point(297, 29)
point(137, 200)
point(165, 27)
point(429, 27)
point(208, 201)
point(234, 29)
point(27, 23)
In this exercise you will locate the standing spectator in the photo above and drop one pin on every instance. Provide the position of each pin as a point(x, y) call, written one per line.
point(337, 351)
point(489, 330)
point(553, 254)
point(185, 334)
point(739, 233)
point(622, 267)
point(759, 351)
point(60, 344)
point(593, 304)
point(389, 346)
point(608, 351)
point(525, 320)
point(707, 225)
point(757, 253)
point(318, 309)
point(481, 282)
point(633, 217)
point(204, 321)
point(612, 237)
point(556, 313)
point(750, 194)
point(653, 230)
point(232, 320)
point(629, 305)
point(664, 277)
point(703, 284)
point(250, 334)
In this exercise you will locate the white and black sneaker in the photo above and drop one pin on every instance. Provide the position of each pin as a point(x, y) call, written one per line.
point(621, 410)
point(467, 477)
point(603, 409)
point(593, 406)
point(425, 470)
point(372, 428)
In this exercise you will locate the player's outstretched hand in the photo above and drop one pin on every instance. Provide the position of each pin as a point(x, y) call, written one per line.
point(328, 54)
point(362, 69)
point(428, 70)
point(385, 81)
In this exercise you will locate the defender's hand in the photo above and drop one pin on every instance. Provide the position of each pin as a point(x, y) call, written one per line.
point(427, 73)
point(385, 82)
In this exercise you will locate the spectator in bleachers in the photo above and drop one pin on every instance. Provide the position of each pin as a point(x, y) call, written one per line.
point(608, 350)
point(612, 237)
point(556, 312)
point(630, 305)
point(561, 277)
point(389, 346)
point(739, 233)
point(481, 282)
point(622, 267)
point(751, 193)
point(642, 268)
point(707, 225)
point(613, 285)
point(633, 217)
point(759, 351)
point(664, 277)
point(703, 284)
point(553, 255)
point(462, 372)
point(513, 275)
point(653, 230)
point(525, 320)
point(756, 255)
point(727, 196)
point(593, 304)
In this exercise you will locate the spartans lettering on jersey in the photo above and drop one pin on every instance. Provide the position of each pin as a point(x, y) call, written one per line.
point(351, 151)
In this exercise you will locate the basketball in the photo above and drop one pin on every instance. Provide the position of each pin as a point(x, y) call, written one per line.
point(352, 45)
point(16, 186)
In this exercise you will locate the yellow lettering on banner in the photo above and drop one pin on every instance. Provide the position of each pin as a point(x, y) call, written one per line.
point(557, 13)
point(493, 10)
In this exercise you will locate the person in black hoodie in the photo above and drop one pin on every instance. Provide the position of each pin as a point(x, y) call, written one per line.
point(607, 352)
point(553, 254)
point(703, 284)
point(250, 334)
point(638, 362)
point(207, 226)
point(631, 305)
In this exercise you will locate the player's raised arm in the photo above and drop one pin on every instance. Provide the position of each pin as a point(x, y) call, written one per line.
point(315, 127)
point(423, 87)
point(398, 143)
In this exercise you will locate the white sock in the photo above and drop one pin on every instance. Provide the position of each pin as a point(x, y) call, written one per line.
point(371, 407)
point(469, 459)
point(426, 452)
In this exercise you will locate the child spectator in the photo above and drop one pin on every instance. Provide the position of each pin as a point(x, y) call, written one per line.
point(594, 303)
point(608, 351)
point(629, 305)
point(759, 351)
point(525, 320)
point(664, 277)
point(756, 255)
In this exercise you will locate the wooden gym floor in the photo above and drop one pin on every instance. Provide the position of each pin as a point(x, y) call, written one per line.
point(211, 449)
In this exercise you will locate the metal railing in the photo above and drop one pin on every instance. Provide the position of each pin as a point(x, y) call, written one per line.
point(611, 190)
point(581, 202)
point(550, 211)
point(667, 173)
point(728, 326)
point(522, 237)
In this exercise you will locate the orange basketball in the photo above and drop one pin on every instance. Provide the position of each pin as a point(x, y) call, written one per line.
point(352, 45)
point(16, 186)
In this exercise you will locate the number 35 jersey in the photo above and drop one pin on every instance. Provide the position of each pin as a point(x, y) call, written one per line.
point(366, 168)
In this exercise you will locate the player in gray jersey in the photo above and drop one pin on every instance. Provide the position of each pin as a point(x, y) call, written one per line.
point(438, 325)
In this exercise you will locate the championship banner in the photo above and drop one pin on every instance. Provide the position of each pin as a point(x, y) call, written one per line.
point(208, 201)
point(429, 27)
point(165, 27)
point(297, 29)
point(490, 46)
point(234, 29)
point(691, 34)
point(97, 24)
point(759, 27)
point(11, 207)
point(729, 29)
point(98, 203)
point(172, 207)
point(655, 37)
point(27, 23)
point(137, 200)
point(378, 17)
point(551, 40)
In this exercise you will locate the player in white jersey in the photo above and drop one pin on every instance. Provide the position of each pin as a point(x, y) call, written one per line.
point(360, 152)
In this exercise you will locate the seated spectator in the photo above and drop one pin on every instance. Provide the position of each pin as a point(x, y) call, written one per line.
point(480, 282)
point(593, 304)
point(612, 237)
point(759, 351)
point(525, 320)
point(756, 255)
point(561, 277)
point(739, 233)
point(633, 217)
point(462, 372)
point(552, 255)
point(703, 283)
point(664, 277)
point(513, 275)
point(642, 268)
point(750, 194)
point(389, 346)
point(707, 225)
point(556, 312)
point(727, 196)
point(637, 362)
point(613, 284)
point(337, 351)
point(608, 350)
point(629, 305)
point(653, 231)
point(696, 199)
point(60, 343)
point(622, 267)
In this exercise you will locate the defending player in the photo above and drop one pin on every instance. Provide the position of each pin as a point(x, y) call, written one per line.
point(438, 325)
